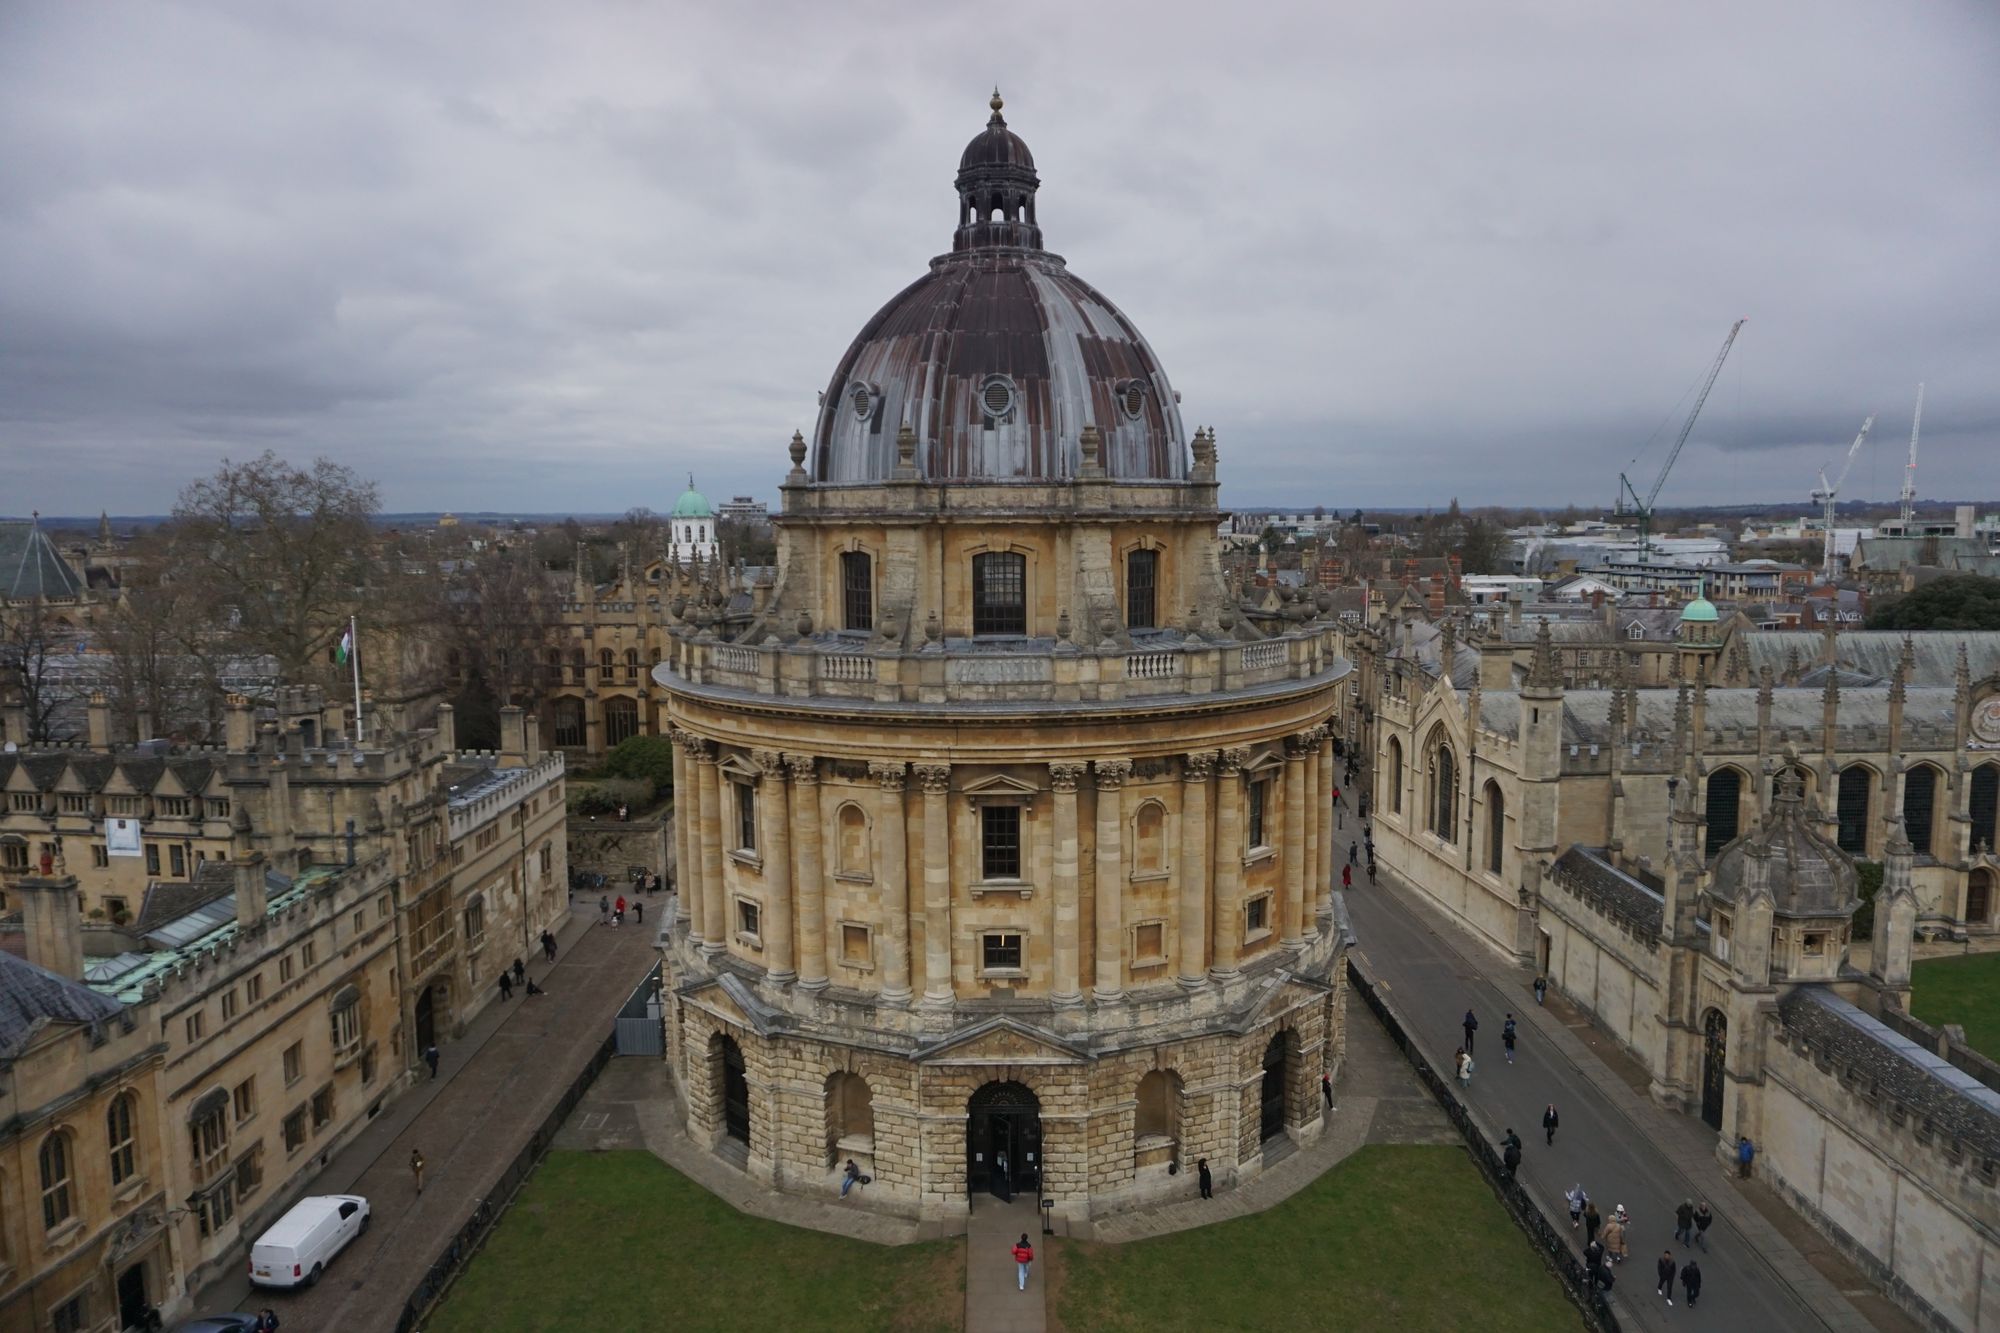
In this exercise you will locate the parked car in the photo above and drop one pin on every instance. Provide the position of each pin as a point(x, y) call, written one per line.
point(300, 1245)
point(218, 1323)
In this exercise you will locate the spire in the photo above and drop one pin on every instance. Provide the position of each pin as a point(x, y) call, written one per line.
point(1542, 673)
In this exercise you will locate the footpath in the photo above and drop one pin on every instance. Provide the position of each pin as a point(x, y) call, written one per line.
point(496, 1084)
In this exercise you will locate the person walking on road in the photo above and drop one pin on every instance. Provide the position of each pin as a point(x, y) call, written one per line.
point(604, 910)
point(1326, 1088)
point(1463, 1068)
point(1593, 1261)
point(1684, 1222)
point(520, 972)
point(1576, 1199)
point(1471, 1025)
point(548, 946)
point(1507, 1037)
point(1691, 1281)
point(431, 1058)
point(1746, 1153)
point(1347, 877)
point(1614, 1235)
point(1665, 1268)
point(618, 911)
point(506, 986)
point(1549, 1122)
point(1541, 990)
point(1702, 1217)
point(417, 1168)
point(1024, 1254)
point(1592, 1220)
point(1207, 1180)
point(639, 911)
point(1510, 1155)
point(1353, 853)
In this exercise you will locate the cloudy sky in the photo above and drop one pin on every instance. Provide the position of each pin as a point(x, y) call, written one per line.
point(556, 256)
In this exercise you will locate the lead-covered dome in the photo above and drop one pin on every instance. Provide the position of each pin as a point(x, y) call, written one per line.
point(998, 357)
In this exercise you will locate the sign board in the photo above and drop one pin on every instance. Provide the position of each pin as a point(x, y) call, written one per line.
point(121, 837)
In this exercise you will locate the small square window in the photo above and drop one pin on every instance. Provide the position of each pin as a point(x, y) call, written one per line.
point(1815, 944)
point(1149, 942)
point(322, 1108)
point(194, 1026)
point(284, 969)
point(295, 1130)
point(246, 1099)
point(253, 987)
point(1257, 916)
point(229, 1004)
point(295, 1063)
point(856, 947)
point(307, 951)
point(68, 1317)
point(250, 1172)
point(748, 917)
point(1000, 951)
point(100, 856)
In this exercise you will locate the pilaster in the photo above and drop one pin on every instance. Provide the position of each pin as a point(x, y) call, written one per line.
point(1228, 907)
point(892, 874)
point(810, 883)
point(936, 782)
point(1192, 929)
point(774, 835)
point(1110, 927)
point(1068, 901)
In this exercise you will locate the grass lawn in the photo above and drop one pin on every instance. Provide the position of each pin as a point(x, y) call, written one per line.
point(620, 1240)
point(1961, 990)
point(1395, 1237)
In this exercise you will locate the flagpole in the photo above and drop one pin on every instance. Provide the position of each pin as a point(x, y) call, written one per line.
point(354, 660)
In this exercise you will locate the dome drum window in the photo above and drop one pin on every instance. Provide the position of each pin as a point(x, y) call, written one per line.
point(1132, 398)
point(862, 399)
point(996, 398)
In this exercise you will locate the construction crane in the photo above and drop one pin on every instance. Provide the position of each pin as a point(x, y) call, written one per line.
point(1910, 471)
point(1629, 504)
point(1828, 490)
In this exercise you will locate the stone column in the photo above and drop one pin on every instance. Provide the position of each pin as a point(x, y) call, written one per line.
point(1192, 928)
point(1068, 914)
point(892, 874)
point(1228, 907)
point(774, 837)
point(714, 910)
point(687, 835)
point(936, 780)
point(1329, 839)
point(1110, 979)
point(809, 883)
point(1291, 903)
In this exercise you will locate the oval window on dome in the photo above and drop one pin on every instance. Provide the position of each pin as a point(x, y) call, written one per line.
point(862, 400)
point(996, 396)
point(1132, 397)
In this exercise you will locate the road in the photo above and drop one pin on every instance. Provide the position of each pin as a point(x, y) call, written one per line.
point(1434, 973)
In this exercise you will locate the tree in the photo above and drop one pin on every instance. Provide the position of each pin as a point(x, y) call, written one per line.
point(282, 555)
point(647, 758)
point(1482, 546)
point(28, 645)
point(1954, 602)
point(498, 613)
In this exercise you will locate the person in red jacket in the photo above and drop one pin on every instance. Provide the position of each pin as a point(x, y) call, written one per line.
point(618, 911)
point(1024, 1254)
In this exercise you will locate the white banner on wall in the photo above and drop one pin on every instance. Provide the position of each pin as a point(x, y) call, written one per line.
point(121, 837)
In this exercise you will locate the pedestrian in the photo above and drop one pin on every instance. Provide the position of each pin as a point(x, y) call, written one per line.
point(1463, 1068)
point(1665, 1268)
point(1471, 1025)
point(1507, 1037)
point(1207, 1180)
point(849, 1178)
point(1606, 1279)
point(1353, 853)
point(1592, 1220)
point(506, 987)
point(548, 946)
point(1614, 1235)
point(1576, 1199)
point(1684, 1222)
point(1326, 1088)
point(1024, 1254)
point(533, 989)
point(1702, 1217)
point(1691, 1281)
point(1510, 1156)
point(431, 1058)
point(622, 811)
point(603, 910)
point(417, 1168)
point(1347, 877)
point(639, 911)
point(1336, 798)
point(618, 911)
point(520, 971)
point(1549, 1122)
point(267, 1321)
point(1541, 989)
point(1593, 1260)
point(1746, 1152)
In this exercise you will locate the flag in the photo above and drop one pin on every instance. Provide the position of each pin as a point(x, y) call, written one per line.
point(345, 652)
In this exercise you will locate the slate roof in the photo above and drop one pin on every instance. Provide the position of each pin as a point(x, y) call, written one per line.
point(1957, 1104)
point(169, 900)
point(1615, 892)
point(32, 998)
point(30, 565)
point(1874, 653)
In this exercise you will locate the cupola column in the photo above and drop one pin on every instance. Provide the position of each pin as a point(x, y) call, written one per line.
point(1110, 925)
point(1228, 864)
point(936, 780)
point(892, 855)
point(1068, 912)
point(1196, 770)
point(810, 882)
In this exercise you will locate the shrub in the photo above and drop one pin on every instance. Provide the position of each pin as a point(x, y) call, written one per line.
point(1870, 884)
point(648, 759)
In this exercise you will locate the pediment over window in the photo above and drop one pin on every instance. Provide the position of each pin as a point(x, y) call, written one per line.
point(1000, 787)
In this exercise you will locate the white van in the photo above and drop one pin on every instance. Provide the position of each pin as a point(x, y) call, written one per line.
point(303, 1242)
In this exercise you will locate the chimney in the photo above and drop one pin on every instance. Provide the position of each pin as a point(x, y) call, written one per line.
point(144, 727)
point(100, 721)
point(447, 728)
point(239, 724)
point(513, 734)
point(332, 722)
point(52, 919)
point(246, 865)
point(278, 813)
point(532, 723)
point(1597, 599)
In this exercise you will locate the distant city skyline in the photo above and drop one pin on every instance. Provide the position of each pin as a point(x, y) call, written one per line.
point(511, 258)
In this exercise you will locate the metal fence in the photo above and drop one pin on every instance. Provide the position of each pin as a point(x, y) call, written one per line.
point(1527, 1210)
point(637, 1030)
point(472, 1233)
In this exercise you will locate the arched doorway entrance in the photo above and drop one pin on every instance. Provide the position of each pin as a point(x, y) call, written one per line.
point(1979, 897)
point(728, 1057)
point(1277, 1067)
point(1714, 1064)
point(1003, 1141)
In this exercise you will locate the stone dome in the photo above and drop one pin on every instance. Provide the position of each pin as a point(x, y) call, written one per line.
point(998, 358)
point(1807, 876)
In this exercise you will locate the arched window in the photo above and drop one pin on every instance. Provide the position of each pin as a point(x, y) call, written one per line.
point(1394, 773)
point(1723, 801)
point(58, 1190)
point(1985, 807)
point(1000, 593)
point(1920, 808)
point(568, 721)
point(1149, 827)
point(1496, 827)
point(857, 591)
point(621, 719)
point(576, 665)
point(853, 853)
point(121, 1139)
point(1857, 785)
point(631, 664)
point(1142, 572)
point(604, 663)
point(1444, 793)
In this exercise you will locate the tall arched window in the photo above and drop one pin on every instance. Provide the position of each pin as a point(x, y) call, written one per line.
point(1393, 771)
point(631, 664)
point(1156, 1121)
point(123, 1143)
point(853, 850)
point(1496, 827)
point(1444, 793)
point(569, 721)
point(1149, 827)
point(850, 1115)
point(1723, 802)
point(621, 719)
point(1857, 785)
point(857, 590)
point(1000, 593)
point(1985, 807)
point(1920, 808)
point(58, 1190)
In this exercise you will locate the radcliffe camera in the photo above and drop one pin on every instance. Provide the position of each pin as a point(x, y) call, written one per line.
point(1110, 667)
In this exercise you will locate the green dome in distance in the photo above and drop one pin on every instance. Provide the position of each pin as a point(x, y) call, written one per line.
point(1700, 610)
point(692, 504)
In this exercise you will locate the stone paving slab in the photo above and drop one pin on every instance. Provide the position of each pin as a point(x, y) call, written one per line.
point(994, 1302)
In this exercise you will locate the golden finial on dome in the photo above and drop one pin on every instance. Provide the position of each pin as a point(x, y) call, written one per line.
point(995, 103)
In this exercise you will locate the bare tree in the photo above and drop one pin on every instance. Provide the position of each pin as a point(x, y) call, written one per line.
point(499, 615)
point(29, 642)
